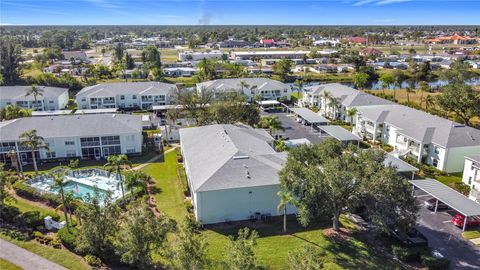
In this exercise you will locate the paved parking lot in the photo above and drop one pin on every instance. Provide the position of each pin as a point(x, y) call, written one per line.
point(447, 238)
point(294, 130)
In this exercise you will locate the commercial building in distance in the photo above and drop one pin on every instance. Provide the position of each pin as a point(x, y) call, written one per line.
point(269, 55)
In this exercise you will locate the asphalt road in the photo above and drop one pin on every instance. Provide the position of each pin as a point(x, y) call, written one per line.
point(24, 258)
point(446, 238)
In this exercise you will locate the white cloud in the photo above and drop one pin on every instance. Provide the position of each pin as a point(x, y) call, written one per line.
point(378, 2)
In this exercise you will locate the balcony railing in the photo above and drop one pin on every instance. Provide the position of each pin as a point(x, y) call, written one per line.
point(7, 148)
point(87, 144)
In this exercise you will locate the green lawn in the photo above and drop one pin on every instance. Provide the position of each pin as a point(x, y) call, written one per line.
point(169, 196)
point(6, 265)
point(273, 246)
point(25, 205)
point(471, 235)
point(62, 257)
point(451, 179)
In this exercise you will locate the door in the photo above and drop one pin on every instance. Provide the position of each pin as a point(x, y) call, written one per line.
point(97, 153)
point(106, 152)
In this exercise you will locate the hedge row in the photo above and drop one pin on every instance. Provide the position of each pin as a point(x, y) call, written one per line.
point(31, 193)
point(422, 255)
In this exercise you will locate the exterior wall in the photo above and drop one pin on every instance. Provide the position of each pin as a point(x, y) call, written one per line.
point(267, 95)
point(471, 177)
point(125, 101)
point(455, 157)
point(237, 204)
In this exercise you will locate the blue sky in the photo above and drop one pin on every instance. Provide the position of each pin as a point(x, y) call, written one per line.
point(279, 12)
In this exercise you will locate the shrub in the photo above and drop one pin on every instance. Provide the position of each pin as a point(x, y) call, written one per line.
point(8, 213)
point(12, 233)
point(462, 188)
point(31, 193)
point(68, 238)
point(46, 239)
point(30, 219)
point(93, 260)
point(435, 263)
point(409, 254)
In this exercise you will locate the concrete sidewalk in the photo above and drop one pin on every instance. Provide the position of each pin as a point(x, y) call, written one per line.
point(25, 259)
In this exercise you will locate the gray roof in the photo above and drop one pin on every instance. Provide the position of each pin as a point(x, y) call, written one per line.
point(339, 133)
point(348, 96)
point(422, 126)
point(229, 156)
point(475, 158)
point(78, 55)
point(128, 88)
point(449, 196)
point(400, 165)
point(309, 116)
point(18, 92)
point(72, 125)
point(262, 84)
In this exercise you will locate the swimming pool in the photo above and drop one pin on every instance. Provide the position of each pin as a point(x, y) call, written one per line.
point(83, 183)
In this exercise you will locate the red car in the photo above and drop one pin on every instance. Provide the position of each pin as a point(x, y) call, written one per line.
point(459, 219)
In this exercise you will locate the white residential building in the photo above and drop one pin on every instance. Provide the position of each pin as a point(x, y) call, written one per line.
point(142, 95)
point(232, 172)
point(267, 88)
point(197, 56)
point(50, 99)
point(74, 136)
point(426, 138)
point(471, 176)
point(324, 95)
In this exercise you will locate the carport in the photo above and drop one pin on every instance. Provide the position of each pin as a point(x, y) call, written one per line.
point(450, 197)
point(340, 134)
point(309, 116)
point(400, 165)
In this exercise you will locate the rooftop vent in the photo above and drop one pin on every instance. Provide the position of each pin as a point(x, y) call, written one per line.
point(240, 157)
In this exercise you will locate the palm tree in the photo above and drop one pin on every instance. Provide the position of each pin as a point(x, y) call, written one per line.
point(69, 199)
point(30, 139)
point(12, 154)
point(137, 179)
point(409, 90)
point(326, 95)
point(424, 87)
point(116, 163)
point(351, 113)
point(244, 84)
point(272, 123)
point(35, 91)
point(299, 85)
point(58, 183)
point(334, 105)
point(429, 101)
point(285, 199)
point(13, 111)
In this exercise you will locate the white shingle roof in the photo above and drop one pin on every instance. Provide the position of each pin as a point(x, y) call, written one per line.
point(72, 125)
point(19, 92)
point(128, 88)
point(221, 85)
point(229, 156)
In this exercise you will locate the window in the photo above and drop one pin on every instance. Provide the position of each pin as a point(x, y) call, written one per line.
point(437, 151)
point(50, 101)
point(51, 155)
point(84, 99)
point(110, 140)
point(71, 153)
point(134, 97)
point(122, 97)
point(435, 162)
point(131, 150)
point(469, 180)
point(69, 142)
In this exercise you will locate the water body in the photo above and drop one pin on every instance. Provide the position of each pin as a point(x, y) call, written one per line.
point(377, 85)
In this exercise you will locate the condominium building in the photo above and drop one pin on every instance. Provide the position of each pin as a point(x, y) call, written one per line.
point(140, 95)
point(269, 54)
point(197, 56)
point(268, 89)
point(49, 99)
point(86, 136)
point(426, 138)
point(471, 176)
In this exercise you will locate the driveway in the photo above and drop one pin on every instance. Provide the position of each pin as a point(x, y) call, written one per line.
point(294, 130)
point(25, 259)
point(447, 238)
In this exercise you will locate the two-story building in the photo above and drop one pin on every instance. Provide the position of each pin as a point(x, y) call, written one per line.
point(268, 89)
point(334, 99)
point(125, 95)
point(89, 136)
point(471, 176)
point(49, 99)
point(426, 138)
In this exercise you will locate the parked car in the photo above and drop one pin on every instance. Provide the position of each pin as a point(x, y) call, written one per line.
point(430, 204)
point(412, 238)
point(459, 219)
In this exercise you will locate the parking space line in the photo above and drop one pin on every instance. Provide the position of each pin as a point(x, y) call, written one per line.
point(446, 221)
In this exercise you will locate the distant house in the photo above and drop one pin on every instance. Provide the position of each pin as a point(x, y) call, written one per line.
point(197, 56)
point(268, 89)
point(179, 71)
point(89, 136)
point(356, 40)
point(78, 56)
point(267, 42)
point(326, 42)
point(371, 52)
point(125, 95)
point(471, 176)
point(51, 98)
point(455, 39)
point(235, 43)
point(232, 172)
